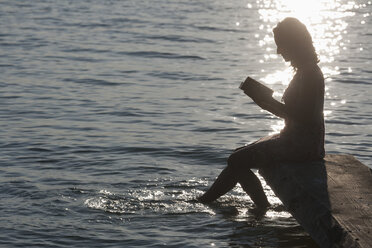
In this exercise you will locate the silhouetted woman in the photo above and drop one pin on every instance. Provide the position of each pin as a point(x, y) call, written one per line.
point(302, 138)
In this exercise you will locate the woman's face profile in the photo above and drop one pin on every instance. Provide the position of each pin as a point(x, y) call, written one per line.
point(282, 48)
point(284, 52)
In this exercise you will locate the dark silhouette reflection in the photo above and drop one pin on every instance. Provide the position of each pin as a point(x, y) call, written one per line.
point(291, 236)
point(303, 189)
point(302, 138)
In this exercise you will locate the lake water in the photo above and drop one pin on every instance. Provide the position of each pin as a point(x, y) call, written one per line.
point(115, 115)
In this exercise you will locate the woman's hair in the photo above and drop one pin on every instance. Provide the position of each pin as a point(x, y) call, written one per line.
point(294, 36)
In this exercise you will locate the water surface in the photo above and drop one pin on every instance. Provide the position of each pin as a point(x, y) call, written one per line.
point(116, 114)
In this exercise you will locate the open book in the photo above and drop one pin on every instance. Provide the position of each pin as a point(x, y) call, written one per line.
point(255, 90)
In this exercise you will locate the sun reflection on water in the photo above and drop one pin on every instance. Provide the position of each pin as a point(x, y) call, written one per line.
point(326, 21)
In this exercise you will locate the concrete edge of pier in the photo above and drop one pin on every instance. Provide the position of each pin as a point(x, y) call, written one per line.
point(331, 198)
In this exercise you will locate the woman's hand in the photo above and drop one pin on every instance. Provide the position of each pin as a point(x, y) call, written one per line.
point(271, 105)
point(261, 101)
point(264, 105)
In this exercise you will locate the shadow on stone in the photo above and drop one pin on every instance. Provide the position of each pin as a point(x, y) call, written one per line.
point(328, 198)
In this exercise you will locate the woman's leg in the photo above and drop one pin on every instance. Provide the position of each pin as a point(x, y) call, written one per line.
point(252, 186)
point(242, 161)
point(238, 170)
point(225, 182)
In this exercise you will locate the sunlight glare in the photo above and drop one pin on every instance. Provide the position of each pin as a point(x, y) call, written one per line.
point(277, 127)
point(325, 20)
point(278, 77)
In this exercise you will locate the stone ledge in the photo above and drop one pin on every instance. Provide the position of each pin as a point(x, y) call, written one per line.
point(331, 199)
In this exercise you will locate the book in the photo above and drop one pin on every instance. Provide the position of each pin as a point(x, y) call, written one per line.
point(255, 89)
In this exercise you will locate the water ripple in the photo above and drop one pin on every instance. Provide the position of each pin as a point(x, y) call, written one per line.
point(91, 81)
point(115, 115)
point(163, 55)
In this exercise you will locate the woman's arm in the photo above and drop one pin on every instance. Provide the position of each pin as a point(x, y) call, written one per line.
point(273, 106)
point(305, 103)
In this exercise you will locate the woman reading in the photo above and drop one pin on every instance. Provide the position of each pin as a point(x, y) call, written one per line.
point(302, 138)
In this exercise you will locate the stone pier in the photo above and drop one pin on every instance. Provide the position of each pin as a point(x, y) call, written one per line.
point(331, 199)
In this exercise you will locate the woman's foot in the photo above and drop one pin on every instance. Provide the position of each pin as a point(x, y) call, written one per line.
point(260, 210)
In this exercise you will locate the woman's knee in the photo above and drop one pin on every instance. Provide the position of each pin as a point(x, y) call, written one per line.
point(245, 158)
point(235, 162)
